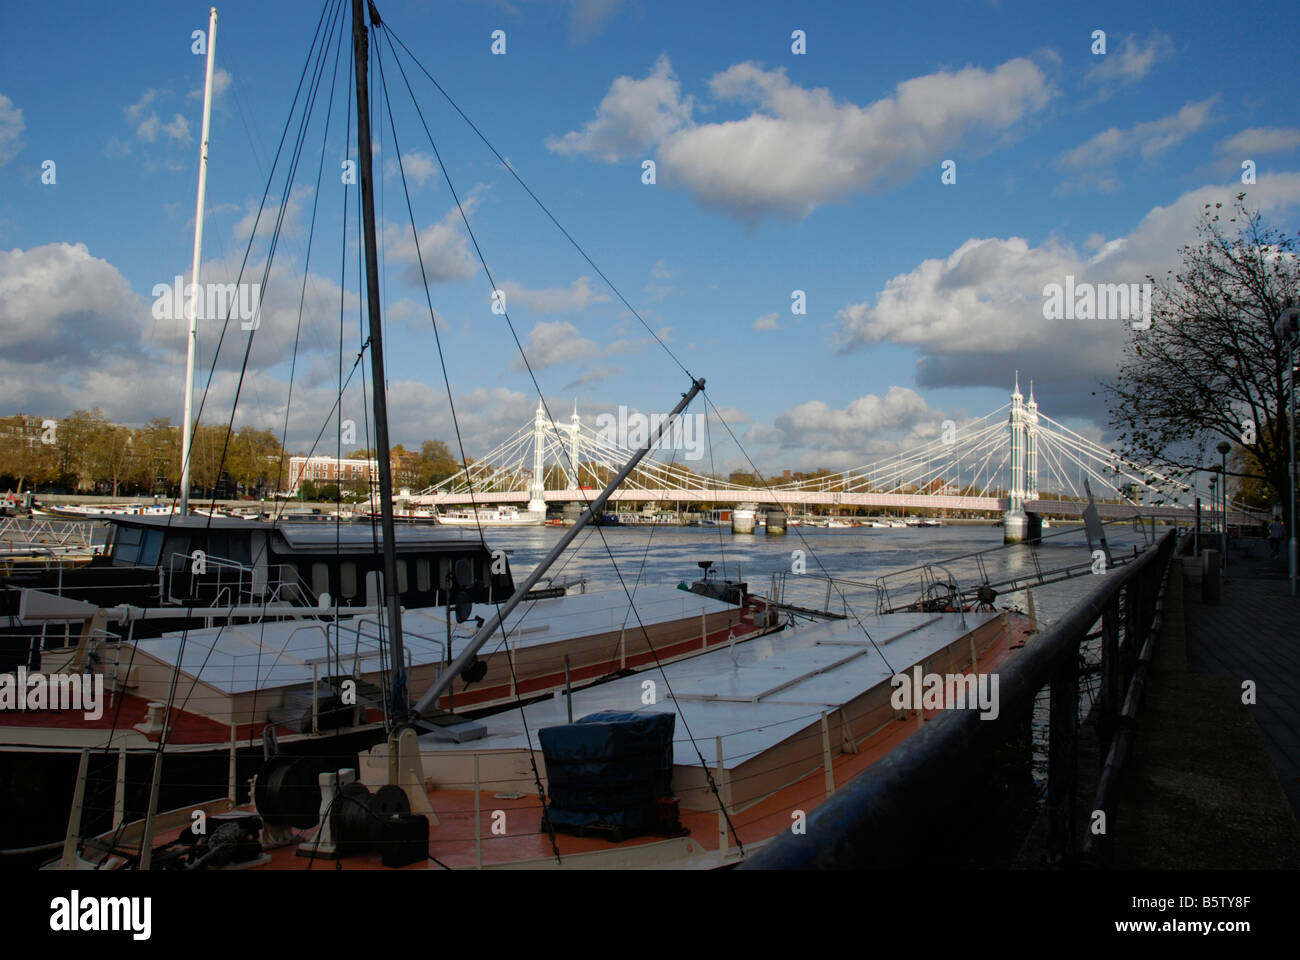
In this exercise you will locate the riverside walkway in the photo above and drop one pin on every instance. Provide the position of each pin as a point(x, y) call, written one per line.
point(1214, 783)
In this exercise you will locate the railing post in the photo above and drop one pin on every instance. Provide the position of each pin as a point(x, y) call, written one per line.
point(74, 821)
point(1063, 755)
point(1132, 626)
point(1109, 705)
point(719, 774)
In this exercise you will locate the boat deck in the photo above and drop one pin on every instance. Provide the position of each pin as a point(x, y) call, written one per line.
point(780, 722)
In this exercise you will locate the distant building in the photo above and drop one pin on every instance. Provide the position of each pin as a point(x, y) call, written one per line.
point(322, 469)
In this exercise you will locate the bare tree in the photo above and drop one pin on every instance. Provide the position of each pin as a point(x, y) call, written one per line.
point(1210, 367)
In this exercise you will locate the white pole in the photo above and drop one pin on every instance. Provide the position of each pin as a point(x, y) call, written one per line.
point(187, 426)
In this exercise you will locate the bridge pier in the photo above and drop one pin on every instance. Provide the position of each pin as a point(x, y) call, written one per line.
point(1015, 526)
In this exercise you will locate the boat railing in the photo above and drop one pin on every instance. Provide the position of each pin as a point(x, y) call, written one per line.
point(848, 595)
point(237, 583)
point(31, 532)
point(913, 802)
point(1008, 567)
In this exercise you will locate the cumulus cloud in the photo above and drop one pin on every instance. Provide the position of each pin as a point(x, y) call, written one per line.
point(1130, 63)
point(947, 306)
point(11, 130)
point(419, 168)
point(551, 343)
point(220, 84)
point(633, 116)
point(767, 321)
point(801, 148)
point(868, 427)
point(1097, 157)
point(443, 248)
point(574, 298)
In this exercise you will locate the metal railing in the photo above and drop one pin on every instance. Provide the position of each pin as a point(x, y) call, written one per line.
point(237, 583)
point(69, 534)
point(884, 815)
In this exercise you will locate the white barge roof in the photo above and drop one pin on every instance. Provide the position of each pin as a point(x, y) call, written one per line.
point(774, 686)
point(243, 657)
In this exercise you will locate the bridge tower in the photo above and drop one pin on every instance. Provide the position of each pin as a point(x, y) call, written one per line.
point(1031, 446)
point(574, 423)
point(537, 490)
point(1014, 521)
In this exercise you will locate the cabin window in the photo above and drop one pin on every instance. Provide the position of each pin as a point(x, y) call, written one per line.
point(320, 578)
point(219, 546)
point(422, 576)
point(126, 545)
point(175, 544)
point(348, 580)
point(150, 546)
point(401, 577)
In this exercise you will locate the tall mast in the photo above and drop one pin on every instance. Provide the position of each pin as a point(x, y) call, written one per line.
point(187, 428)
point(361, 51)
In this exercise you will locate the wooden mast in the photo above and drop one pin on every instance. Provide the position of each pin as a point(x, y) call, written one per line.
point(360, 46)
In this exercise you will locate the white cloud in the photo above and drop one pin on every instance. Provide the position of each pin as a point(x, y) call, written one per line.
point(587, 18)
point(801, 148)
point(220, 84)
point(574, 298)
point(11, 129)
point(419, 168)
point(1130, 63)
point(1098, 155)
point(178, 129)
point(767, 321)
point(870, 423)
point(142, 119)
point(1259, 140)
point(977, 314)
point(58, 302)
point(551, 343)
point(633, 116)
point(443, 248)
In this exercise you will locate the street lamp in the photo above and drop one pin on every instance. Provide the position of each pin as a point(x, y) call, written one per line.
point(1223, 447)
point(1287, 328)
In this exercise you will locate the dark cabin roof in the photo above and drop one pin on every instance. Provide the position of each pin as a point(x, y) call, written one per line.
point(318, 536)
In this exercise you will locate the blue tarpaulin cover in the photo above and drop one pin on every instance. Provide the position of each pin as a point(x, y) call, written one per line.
point(609, 769)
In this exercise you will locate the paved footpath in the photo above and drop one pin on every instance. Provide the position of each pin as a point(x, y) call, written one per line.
point(1215, 783)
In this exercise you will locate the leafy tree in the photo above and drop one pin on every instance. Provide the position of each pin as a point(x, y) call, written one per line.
point(1210, 366)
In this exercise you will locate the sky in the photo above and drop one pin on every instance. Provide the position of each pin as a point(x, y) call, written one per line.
point(796, 148)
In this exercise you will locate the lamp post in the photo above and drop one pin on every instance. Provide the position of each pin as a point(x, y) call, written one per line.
point(1287, 328)
point(1223, 447)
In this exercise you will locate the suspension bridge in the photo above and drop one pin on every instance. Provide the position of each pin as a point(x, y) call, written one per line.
point(1015, 460)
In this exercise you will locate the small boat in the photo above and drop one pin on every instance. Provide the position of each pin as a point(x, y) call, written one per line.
point(505, 516)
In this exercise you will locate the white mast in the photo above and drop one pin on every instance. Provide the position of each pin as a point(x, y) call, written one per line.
point(187, 427)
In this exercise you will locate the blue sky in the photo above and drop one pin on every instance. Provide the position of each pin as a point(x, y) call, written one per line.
point(775, 172)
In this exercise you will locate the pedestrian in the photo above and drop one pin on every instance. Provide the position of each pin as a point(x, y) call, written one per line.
point(1275, 532)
